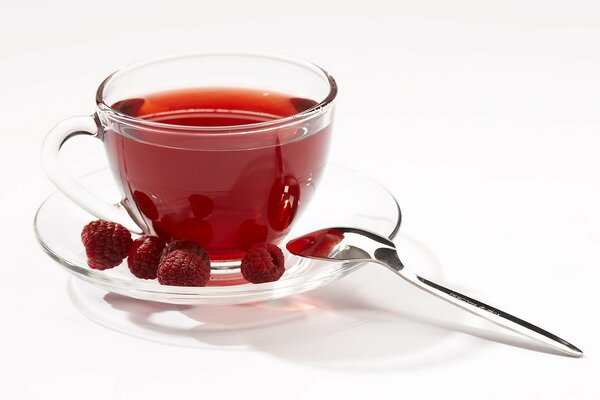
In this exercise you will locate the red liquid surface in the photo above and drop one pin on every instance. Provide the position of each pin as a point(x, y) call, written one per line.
point(225, 192)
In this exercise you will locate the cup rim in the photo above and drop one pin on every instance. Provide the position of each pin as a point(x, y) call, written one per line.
point(317, 109)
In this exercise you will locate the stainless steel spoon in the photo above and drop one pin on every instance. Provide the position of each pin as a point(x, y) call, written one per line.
point(352, 244)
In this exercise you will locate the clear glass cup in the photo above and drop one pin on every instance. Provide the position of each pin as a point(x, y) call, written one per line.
point(225, 186)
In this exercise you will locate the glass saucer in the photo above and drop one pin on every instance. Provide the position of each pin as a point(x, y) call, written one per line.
point(344, 198)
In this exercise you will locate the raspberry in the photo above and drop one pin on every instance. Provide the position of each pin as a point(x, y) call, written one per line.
point(263, 263)
point(183, 268)
point(144, 256)
point(188, 245)
point(106, 244)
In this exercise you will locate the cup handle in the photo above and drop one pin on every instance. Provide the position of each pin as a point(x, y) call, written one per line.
point(58, 135)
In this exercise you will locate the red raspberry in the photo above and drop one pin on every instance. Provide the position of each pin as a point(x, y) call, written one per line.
point(144, 256)
point(183, 268)
point(188, 245)
point(106, 244)
point(263, 263)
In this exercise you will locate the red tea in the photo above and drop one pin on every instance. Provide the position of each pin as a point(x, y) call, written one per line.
point(224, 189)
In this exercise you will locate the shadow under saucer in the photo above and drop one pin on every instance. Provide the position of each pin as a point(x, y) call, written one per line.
point(371, 321)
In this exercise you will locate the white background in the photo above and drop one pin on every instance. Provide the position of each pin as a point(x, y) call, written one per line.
point(480, 116)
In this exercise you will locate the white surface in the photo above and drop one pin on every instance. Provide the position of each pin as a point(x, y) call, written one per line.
point(482, 117)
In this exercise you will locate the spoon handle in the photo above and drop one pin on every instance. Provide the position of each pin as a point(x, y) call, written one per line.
point(490, 313)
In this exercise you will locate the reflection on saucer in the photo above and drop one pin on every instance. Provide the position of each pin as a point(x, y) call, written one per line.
point(370, 320)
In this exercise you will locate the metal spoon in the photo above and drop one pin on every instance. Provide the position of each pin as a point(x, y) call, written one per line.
point(352, 244)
